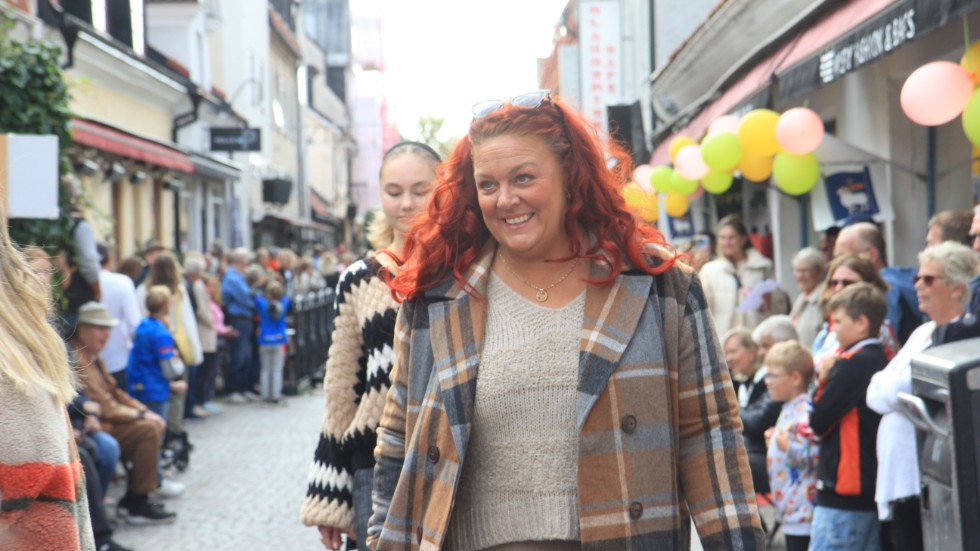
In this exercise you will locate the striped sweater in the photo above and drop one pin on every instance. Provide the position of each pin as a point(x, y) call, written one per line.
point(356, 384)
point(42, 491)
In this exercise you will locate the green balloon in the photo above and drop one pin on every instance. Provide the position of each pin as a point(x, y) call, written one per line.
point(682, 185)
point(660, 179)
point(971, 119)
point(721, 150)
point(796, 174)
point(717, 182)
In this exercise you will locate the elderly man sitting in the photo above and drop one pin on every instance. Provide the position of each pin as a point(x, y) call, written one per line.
point(136, 428)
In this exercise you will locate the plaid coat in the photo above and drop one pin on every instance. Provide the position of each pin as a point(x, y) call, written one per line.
point(660, 437)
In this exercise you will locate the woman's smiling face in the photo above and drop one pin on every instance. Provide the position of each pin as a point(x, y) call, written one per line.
point(519, 184)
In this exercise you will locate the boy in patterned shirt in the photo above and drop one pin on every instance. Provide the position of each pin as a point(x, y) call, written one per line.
point(792, 455)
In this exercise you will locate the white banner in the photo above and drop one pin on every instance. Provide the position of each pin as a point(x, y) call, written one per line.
point(601, 62)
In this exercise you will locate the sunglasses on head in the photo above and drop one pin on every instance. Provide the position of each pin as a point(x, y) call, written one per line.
point(529, 100)
point(927, 280)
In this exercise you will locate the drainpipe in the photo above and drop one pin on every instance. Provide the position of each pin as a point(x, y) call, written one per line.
point(180, 121)
point(930, 171)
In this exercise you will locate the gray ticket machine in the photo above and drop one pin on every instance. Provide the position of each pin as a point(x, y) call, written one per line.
point(945, 408)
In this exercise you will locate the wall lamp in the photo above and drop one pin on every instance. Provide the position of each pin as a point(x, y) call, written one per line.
point(137, 177)
point(114, 172)
point(87, 167)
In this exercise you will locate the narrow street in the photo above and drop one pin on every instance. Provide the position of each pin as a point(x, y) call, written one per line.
point(245, 483)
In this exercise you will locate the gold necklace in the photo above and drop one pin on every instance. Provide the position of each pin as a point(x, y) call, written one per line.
point(542, 292)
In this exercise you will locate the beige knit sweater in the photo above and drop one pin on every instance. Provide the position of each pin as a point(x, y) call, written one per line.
point(519, 479)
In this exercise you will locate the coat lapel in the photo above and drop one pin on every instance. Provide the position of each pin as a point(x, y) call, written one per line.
point(456, 328)
point(612, 313)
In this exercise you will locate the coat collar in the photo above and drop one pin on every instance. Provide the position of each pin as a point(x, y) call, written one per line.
point(457, 323)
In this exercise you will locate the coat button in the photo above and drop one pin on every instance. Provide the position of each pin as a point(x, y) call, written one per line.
point(636, 510)
point(418, 534)
point(628, 424)
point(433, 456)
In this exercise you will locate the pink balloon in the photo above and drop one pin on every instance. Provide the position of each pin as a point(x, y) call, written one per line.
point(936, 93)
point(799, 131)
point(698, 193)
point(641, 175)
point(724, 123)
point(690, 164)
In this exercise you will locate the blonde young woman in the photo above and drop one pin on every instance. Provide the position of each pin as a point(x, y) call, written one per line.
point(338, 498)
point(41, 481)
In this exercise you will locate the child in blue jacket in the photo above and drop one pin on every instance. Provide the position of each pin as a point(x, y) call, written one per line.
point(272, 340)
point(153, 360)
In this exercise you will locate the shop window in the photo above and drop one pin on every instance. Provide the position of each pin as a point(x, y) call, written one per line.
point(337, 81)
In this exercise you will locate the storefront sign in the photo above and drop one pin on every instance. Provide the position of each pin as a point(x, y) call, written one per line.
point(882, 34)
point(236, 139)
point(601, 74)
point(681, 227)
point(851, 196)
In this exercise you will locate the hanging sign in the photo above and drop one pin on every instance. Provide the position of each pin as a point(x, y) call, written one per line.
point(851, 196)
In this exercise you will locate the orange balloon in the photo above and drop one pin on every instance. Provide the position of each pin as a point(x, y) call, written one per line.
point(678, 143)
point(676, 204)
point(971, 63)
point(755, 168)
point(757, 132)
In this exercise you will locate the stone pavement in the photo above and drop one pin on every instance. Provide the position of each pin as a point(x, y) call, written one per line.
point(245, 483)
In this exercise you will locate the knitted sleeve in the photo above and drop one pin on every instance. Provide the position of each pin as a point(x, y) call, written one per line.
point(329, 500)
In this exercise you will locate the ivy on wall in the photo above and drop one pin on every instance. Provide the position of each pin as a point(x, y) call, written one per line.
point(34, 100)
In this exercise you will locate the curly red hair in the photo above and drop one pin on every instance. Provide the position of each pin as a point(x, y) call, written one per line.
point(450, 236)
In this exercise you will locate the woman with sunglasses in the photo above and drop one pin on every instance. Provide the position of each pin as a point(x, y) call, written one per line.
point(338, 497)
point(941, 285)
point(845, 270)
point(558, 382)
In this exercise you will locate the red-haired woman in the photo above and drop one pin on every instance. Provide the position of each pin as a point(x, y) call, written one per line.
point(603, 414)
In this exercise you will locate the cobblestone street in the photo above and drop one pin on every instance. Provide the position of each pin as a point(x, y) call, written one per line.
point(245, 483)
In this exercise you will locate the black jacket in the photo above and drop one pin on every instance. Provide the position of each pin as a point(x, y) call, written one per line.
point(848, 431)
point(759, 416)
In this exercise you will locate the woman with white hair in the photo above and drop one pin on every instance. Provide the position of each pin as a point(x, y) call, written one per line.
point(809, 270)
point(759, 411)
point(941, 285)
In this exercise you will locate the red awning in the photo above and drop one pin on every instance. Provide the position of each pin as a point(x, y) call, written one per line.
point(822, 32)
point(121, 143)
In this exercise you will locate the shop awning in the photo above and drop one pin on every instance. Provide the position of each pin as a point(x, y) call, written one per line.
point(812, 39)
point(215, 167)
point(119, 142)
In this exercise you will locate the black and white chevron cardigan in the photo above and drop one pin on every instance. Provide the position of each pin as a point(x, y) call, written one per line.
point(356, 384)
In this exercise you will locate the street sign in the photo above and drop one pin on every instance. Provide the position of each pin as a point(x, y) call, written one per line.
point(236, 139)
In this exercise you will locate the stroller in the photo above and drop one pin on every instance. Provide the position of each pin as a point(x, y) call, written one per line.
point(176, 451)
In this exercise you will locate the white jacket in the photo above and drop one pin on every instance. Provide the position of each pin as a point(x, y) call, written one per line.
point(723, 283)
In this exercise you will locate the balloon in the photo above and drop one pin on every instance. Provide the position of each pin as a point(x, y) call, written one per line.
point(676, 204)
point(721, 150)
point(689, 163)
point(757, 131)
point(796, 174)
point(755, 168)
point(724, 123)
point(971, 63)
point(936, 93)
point(971, 119)
point(660, 178)
point(642, 175)
point(698, 193)
point(679, 143)
point(634, 195)
point(682, 185)
point(717, 182)
point(799, 131)
point(650, 210)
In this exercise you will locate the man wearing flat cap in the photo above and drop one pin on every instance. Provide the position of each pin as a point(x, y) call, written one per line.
point(137, 429)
